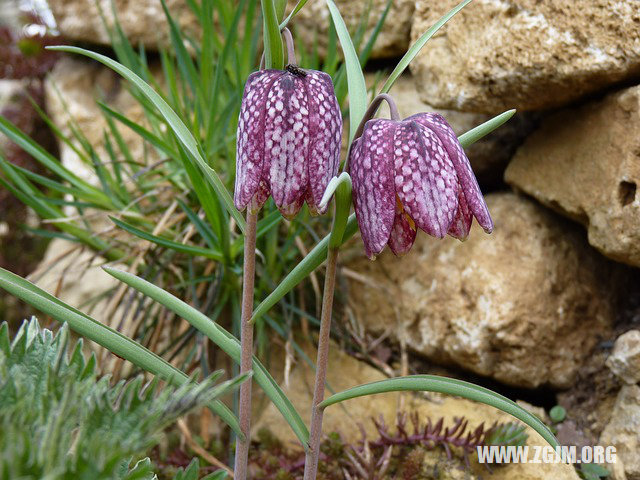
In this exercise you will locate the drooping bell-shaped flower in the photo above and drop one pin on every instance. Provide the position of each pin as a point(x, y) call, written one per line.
point(413, 174)
point(289, 138)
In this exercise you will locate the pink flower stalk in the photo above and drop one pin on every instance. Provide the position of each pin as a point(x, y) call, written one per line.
point(289, 138)
point(413, 174)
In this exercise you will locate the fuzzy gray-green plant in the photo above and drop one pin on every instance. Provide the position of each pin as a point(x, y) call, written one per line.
point(59, 420)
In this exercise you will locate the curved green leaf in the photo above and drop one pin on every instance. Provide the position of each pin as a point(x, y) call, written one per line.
point(227, 342)
point(109, 338)
point(434, 383)
point(319, 253)
point(416, 47)
point(355, 77)
point(173, 121)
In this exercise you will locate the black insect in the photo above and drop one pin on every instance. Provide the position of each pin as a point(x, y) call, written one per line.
point(295, 70)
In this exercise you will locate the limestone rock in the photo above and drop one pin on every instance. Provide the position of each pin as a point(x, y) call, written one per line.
point(142, 22)
point(490, 155)
point(623, 431)
point(624, 361)
point(525, 54)
point(345, 371)
point(312, 23)
point(585, 163)
point(71, 93)
point(524, 305)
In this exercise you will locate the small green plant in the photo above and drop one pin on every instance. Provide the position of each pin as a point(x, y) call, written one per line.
point(557, 414)
point(592, 471)
point(59, 419)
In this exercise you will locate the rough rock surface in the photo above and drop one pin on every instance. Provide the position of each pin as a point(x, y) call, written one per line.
point(524, 305)
point(393, 41)
point(623, 430)
point(624, 361)
point(142, 22)
point(489, 156)
point(585, 163)
point(345, 371)
point(71, 93)
point(525, 54)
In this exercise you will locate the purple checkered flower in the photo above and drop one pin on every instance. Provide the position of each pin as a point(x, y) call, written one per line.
point(289, 138)
point(413, 174)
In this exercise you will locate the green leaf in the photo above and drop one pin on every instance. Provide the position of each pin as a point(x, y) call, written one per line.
point(416, 47)
point(273, 49)
point(227, 342)
point(49, 161)
point(173, 120)
point(433, 383)
point(294, 12)
point(594, 471)
point(557, 414)
point(484, 129)
point(319, 253)
point(355, 77)
point(164, 242)
point(109, 338)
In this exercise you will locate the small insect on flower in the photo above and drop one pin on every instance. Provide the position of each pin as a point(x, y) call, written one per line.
point(413, 174)
point(289, 139)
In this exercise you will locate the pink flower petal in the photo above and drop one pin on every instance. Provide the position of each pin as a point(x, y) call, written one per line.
point(250, 145)
point(425, 180)
point(371, 168)
point(325, 136)
point(403, 234)
point(470, 188)
point(462, 222)
point(286, 140)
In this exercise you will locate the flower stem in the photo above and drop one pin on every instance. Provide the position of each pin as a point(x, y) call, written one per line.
point(373, 108)
point(311, 461)
point(246, 342)
point(291, 51)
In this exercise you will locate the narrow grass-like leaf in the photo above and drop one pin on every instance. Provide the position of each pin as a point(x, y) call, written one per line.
point(153, 139)
point(416, 47)
point(366, 51)
point(434, 383)
point(177, 126)
point(318, 255)
point(294, 12)
point(203, 229)
point(170, 244)
point(273, 49)
point(112, 340)
point(47, 160)
point(355, 77)
point(227, 342)
point(472, 136)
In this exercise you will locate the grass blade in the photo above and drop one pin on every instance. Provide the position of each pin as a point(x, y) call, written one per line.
point(355, 77)
point(227, 342)
point(416, 47)
point(434, 383)
point(294, 12)
point(173, 120)
point(112, 340)
point(170, 244)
